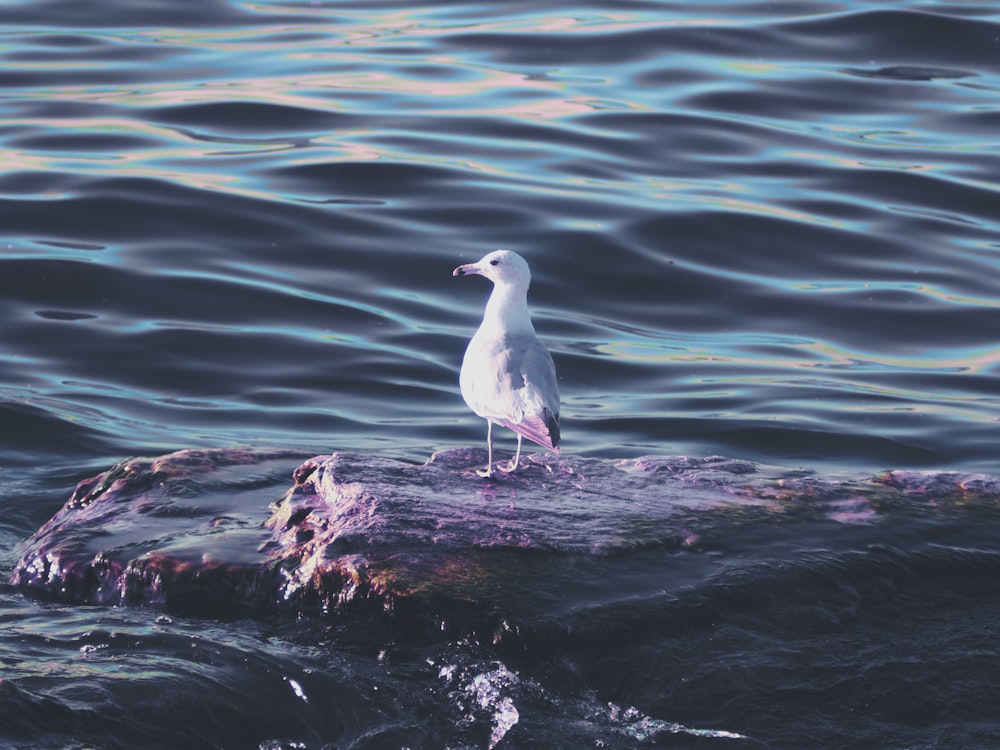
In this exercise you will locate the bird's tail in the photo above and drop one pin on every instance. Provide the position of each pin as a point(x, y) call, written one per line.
point(541, 428)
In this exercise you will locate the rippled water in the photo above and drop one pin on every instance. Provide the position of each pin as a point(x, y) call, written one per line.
point(763, 230)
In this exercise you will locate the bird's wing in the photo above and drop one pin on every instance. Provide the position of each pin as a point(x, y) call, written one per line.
point(525, 391)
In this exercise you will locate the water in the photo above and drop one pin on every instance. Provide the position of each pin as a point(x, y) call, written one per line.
point(762, 230)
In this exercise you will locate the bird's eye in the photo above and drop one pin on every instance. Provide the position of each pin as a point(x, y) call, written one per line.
point(494, 263)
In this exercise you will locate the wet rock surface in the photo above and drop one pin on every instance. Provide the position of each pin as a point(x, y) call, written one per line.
point(247, 528)
point(225, 528)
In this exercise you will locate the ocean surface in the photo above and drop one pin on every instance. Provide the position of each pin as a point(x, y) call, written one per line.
point(763, 231)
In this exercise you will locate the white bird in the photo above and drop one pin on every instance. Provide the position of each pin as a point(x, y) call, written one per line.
point(508, 377)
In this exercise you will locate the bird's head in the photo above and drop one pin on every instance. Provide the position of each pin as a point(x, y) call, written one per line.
point(501, 267)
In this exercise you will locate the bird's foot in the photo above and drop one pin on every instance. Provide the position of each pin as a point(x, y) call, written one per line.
point(486, 473)
point(510, 467)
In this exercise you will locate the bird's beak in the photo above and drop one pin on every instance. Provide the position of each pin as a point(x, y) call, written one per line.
point(467, 270)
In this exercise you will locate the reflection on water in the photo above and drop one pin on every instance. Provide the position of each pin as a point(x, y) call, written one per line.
point(729, 224)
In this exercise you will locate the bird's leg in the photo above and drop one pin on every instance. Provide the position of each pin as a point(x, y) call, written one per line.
point(487, 473)
point(512, 466)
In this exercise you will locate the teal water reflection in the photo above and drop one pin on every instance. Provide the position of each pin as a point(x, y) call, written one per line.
point(726, 219)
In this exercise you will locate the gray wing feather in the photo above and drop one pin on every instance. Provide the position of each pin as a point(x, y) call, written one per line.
point(514, 384)
point(533, 390)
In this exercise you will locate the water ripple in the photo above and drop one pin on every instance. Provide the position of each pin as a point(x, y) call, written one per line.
point(262, 205)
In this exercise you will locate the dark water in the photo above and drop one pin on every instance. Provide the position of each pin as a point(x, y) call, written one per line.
point(769, 231)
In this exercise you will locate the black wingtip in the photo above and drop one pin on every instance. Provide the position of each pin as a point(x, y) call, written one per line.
point(552, 423)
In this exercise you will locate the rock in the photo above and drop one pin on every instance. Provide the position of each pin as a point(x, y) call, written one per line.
point(180, 528)
point(224, 528)
point(202, 527)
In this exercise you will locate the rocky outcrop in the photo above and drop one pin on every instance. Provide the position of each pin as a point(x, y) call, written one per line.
point(226, 528)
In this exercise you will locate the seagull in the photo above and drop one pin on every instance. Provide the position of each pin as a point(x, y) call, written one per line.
point(508, 377)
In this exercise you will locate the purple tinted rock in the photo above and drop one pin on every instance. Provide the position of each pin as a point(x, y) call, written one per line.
point(360, 528)
point(240, 528)
point(213, 527)
point(183, 527)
